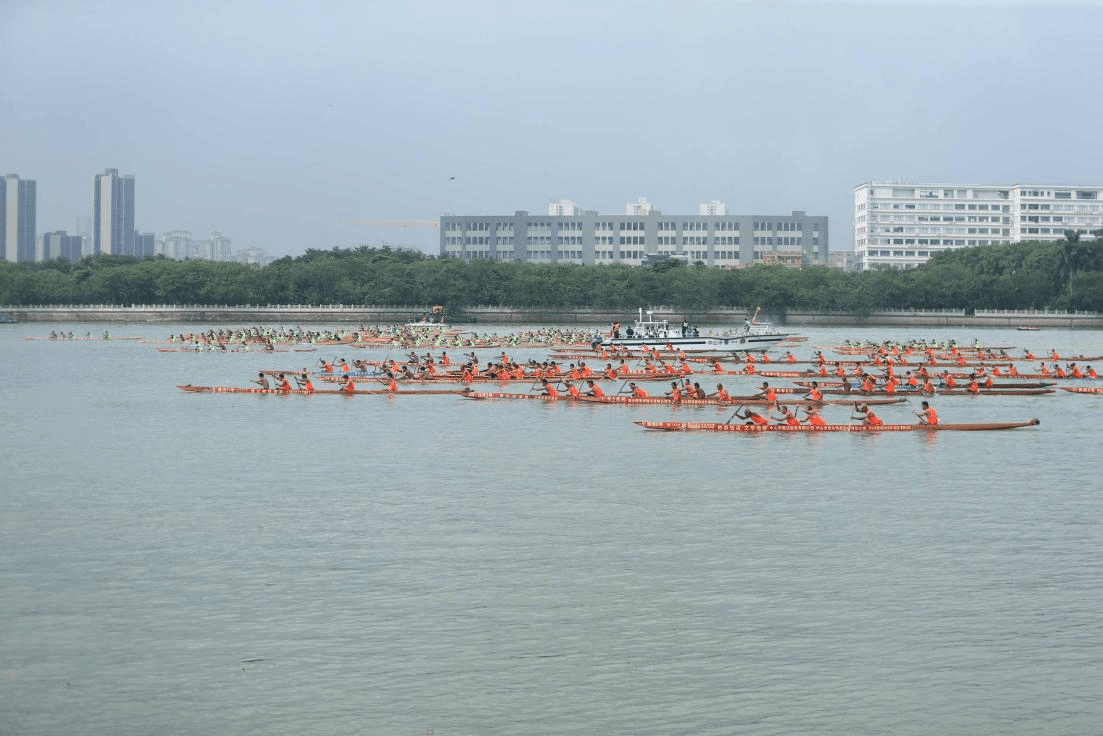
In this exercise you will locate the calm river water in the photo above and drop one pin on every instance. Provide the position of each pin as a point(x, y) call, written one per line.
point(174, 563)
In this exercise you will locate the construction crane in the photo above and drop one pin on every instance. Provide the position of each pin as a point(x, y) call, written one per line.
point(395, 223)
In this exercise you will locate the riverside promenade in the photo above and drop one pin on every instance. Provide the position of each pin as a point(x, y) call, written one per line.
point(470, 317)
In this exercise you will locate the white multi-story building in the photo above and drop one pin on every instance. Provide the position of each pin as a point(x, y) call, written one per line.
point(714, 207)
point(563, 207)
point(902, 225)
point(640, 207)
point(175, 244)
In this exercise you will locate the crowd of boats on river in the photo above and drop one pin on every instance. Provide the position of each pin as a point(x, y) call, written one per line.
point(652, 362)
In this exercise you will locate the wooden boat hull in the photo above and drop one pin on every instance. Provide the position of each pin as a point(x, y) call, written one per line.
point(1083, 389)
point(324, 392)
point(858, 393)
point(733, 401)
point(758, 428)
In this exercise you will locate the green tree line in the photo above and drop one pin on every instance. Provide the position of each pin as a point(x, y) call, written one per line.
point(1065, 274)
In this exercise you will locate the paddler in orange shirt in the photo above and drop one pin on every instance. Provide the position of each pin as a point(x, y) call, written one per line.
point(814, 393)
point(549, 390)
point(927, 415)
point(593, 389)
point(637, 392)
point(786, 417)
point(350, 385)
point(812, 416)
point(866, 414)
point(721, 393)
point(752, 417)
point(305, 383)
point(767, 392)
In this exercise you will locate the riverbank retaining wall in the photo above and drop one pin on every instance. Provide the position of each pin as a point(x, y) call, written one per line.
point(473, 316)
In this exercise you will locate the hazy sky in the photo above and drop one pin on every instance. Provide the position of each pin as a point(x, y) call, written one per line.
point(275, 122)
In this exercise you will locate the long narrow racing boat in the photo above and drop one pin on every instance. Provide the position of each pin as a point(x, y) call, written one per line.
point(331, 392)
point(1083, 389)
point(625, 399)
point(755, 428)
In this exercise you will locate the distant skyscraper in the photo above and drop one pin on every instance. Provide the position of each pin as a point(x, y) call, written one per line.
point(639, 207)
point(713, 208)
point(60, 244)
point(113, 214)
point(564, 208)
point(220, 247)
point(17, 218)
point(144, 244)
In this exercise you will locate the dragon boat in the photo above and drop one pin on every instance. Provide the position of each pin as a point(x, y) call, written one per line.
point(331, 392)
point(757, 428)
point(666, 400)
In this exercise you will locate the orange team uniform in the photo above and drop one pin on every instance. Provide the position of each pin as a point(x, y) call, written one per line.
point(573, 390)
point(639, 393)
point(597, 392)
point(551, 390)
point(717, 367)
point(873, 419)
point(792, 421)
point(723, 395)
point(816, 420)
point(770, 395)
point(758, 419)
point(308, 386)
point(349, 387)
point(932, 416)
point(392, 386)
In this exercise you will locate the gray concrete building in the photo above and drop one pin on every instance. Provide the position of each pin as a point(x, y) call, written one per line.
point(113, 214)
point(645, 236)
point(18, 213)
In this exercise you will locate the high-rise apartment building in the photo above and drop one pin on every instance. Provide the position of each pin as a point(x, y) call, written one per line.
point(902, 225)
point(113, 214)
point(720, 240)
point(17, 218)
point(61, 244)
